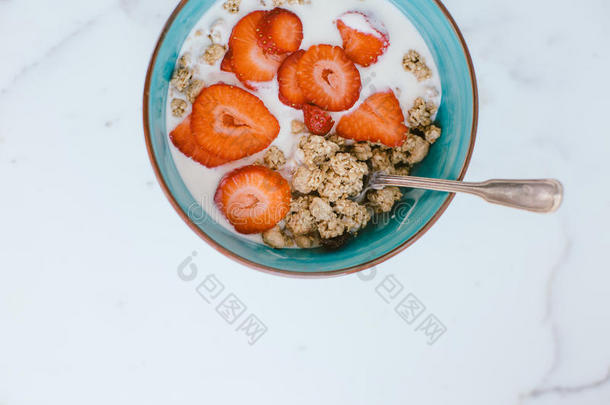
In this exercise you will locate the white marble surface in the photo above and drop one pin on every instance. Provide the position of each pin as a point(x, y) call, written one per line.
point(92, 309)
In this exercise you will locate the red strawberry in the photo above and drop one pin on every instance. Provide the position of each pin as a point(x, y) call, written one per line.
point(227, 66)
point(280, 31)
point(318, 121)
point(290, 92)
point(378, 119)
point(328, 78)
point(249, 61)
point(231, 123)
point(227, 62)
point(253, 198)
point(363, 47)
point(184, 140)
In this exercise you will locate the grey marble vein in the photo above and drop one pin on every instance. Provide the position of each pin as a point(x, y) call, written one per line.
point(572, 389)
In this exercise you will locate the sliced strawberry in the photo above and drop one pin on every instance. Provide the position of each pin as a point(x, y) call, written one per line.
point(280, 31)
point(227, 62)
point(328, 78)
point(249, 61)
point(253, 198)
point(184, 140)
point(378, 119)
point(363, 43)
point(231, 123)
point(290, 92)
point(318, 121)
point(227, 66)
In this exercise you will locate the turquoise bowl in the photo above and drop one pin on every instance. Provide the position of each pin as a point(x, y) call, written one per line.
point(388, 236)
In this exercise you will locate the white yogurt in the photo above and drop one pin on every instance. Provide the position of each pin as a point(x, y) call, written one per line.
point(319, 27)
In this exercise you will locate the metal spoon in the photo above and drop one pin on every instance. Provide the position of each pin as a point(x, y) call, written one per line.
point(541, 196)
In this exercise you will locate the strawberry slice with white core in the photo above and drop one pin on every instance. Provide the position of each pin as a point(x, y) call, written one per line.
point(328, 78)
point(249, 61)
point(253, 198)
point(231, 123)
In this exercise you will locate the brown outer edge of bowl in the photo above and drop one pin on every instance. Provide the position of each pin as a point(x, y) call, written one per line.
point(295, 274)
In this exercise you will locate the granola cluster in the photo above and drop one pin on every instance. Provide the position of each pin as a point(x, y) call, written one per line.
point(297, 127)
point(183, 79)
point(184, 82)
point(276, 238)
point(343, 177)
point(274, 158)
point(182, 74)
point(421, 114)
point(313, 219)
point(332, 173)
point(178, 107)
point(217, 48)
point(383, 200)
point(420, 120)
point(232, 6)
point(413, 62)
point(213, 53)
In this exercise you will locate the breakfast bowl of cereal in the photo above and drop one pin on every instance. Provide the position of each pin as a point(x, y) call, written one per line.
point(265, 118)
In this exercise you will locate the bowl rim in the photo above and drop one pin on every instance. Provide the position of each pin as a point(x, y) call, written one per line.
point(300, 274)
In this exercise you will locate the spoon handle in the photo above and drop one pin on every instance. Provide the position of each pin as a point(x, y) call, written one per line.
point(542, 196)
